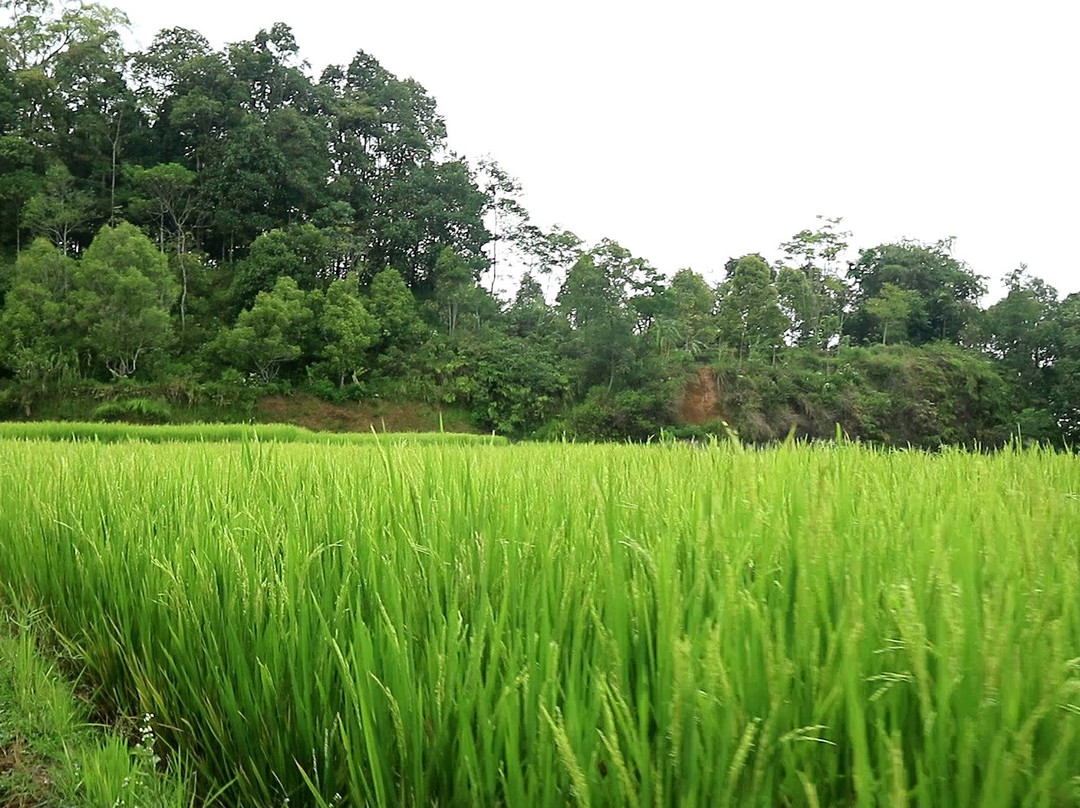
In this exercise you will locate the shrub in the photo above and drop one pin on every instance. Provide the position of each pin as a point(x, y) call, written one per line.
point(133, 410)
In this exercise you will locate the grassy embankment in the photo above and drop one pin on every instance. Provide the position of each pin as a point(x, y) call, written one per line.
point(589, 625)
point(168, 404)
point(215, 433)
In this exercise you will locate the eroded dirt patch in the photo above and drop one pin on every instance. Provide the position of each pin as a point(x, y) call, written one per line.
point(700, 402)
point(314, 413)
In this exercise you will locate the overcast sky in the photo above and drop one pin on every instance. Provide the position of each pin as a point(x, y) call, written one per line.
point(691, 132)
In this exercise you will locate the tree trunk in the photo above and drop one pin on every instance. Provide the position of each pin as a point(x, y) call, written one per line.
point(112, 179)
point(180, 248)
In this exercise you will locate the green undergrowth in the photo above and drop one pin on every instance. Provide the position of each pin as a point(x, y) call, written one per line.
point(214, 433)
point(50, 755)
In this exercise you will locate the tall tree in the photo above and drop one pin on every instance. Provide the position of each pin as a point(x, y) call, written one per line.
point(748, 311)
point(1065, 391)
point(401, 329)
point(387, 151)
point(504, 215)
point(22, 162)
point(421, 210)
point(812, 290)
point(603, 301)
point(57, 53)
point(301, 252)
point(346, 332)
point(124, 292)
point(190, 97)
point(37, 329)
point(529, 314)
point(39, 340)
point(272, 333)
point(60, 209)
point(171, 194)
point(892, 310)
point(1023, 332)
point(948, 290)
point(687, 319)
point(454, 286)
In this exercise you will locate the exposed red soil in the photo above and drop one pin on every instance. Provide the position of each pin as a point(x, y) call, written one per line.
point(700, 401)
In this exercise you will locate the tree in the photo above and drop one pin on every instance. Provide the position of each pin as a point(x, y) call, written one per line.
point(1065, 392)
point(382, 124)
point(60, 209)
point(596, 301)
point(269, 68)
point(39, 33)
point(1023, 332)
point(56, 53)
point(346, 332)
point(401, 329)
point(68, 63)
point(244, 186)
point(529, 315)
point(99, 114)
point(453, 282)
point(948, 291)
point(170, 191)
point(458, 294)
point(750, 320)
point(266, 165)
point(22, 166)
point(892, 308)
point(422, 209)
point(301, 252)
point(550, 252)
point(271, 333)
point(386, 138)
point(507, 215)
point(801, 304)
point(39, 340)
point(123, 293)
point(190, 97)
point(812, 291)
point(515, 384)
point(302, 143)
point(687, 319)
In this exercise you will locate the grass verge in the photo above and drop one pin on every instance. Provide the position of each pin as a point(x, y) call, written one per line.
point(51, 756)
point(215, 433)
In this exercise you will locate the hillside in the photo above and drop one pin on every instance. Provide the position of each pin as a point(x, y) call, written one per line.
point(211, 227)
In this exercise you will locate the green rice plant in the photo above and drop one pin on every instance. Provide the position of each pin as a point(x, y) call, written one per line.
point(669, 625)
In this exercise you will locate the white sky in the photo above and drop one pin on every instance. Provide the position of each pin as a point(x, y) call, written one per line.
point(691, 132)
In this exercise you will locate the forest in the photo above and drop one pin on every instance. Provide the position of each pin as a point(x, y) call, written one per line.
point(184, 227)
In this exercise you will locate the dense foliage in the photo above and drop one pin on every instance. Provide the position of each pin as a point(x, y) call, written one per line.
point(198, 218)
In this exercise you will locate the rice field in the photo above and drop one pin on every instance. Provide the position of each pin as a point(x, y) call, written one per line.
point(106, 432)
point(548, 625)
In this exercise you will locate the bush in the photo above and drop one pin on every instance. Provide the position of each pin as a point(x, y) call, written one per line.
point(133, 410)
point(896, 395)
point(10, 401)
point(636, 415)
